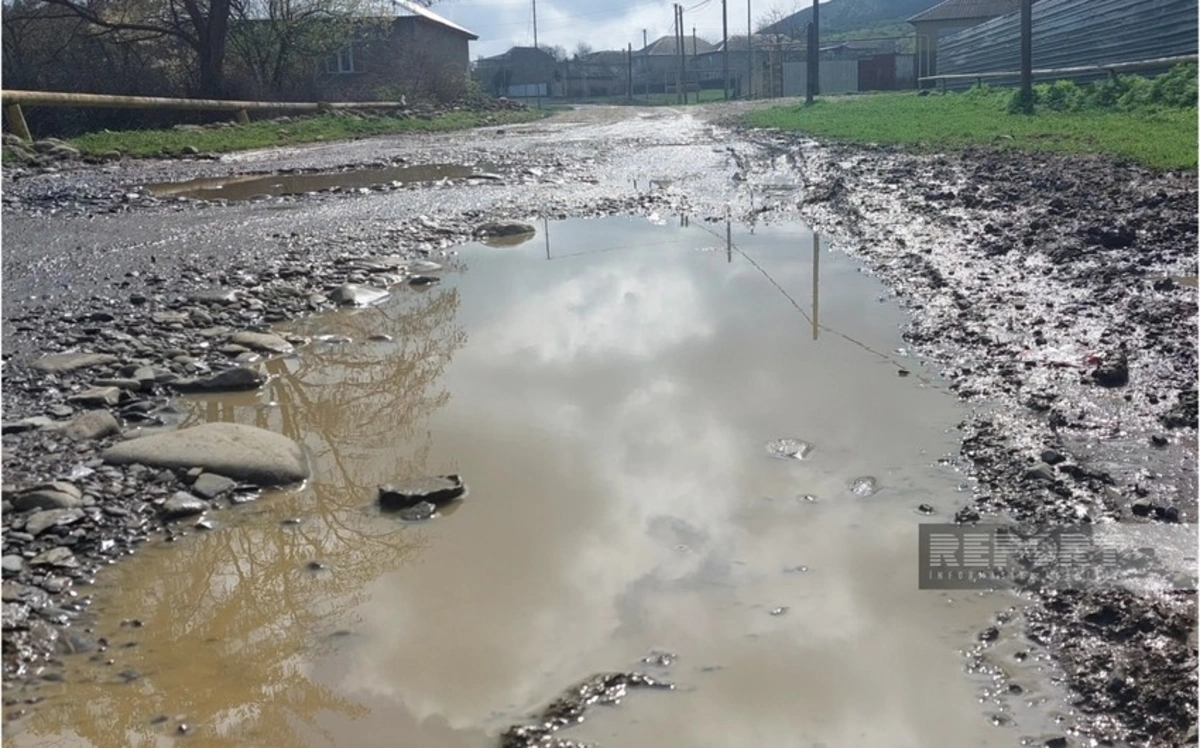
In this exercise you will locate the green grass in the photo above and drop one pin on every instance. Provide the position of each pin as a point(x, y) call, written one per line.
point(327, 127)
point(1162, 138)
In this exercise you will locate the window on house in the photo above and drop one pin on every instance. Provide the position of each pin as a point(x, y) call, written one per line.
point(342, 62)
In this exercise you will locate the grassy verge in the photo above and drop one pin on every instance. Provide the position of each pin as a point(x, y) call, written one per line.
point(329, 127)
point(1162, 138)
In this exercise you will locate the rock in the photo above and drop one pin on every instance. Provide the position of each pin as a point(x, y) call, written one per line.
point(424, 266)
point(55, 557)
point(1052, 457)
point(210, 485)
point(1141, 508)
point(12, 564)
point(62, 151)
point(864, 486)
point(789, 449)
point(244, 453)
point(189, 150)
point(183, 504)
point(154, 375)
point(93, 424)
point(59, 363)
point(1040, 471)
point(1113, 373)
point(39, 522)
point(261, 341)
point(423, 280)
point(120, 383)
point(355, 295)
point(54, 495)
point(97, 396)
point(61, 411)
point(219, 296)
point(504, 228)
point(418, 512)
point(26, 424)
point(230, 380)
point(436, 489)
point(169, 318)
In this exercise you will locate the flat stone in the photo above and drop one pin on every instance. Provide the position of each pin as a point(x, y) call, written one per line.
point(12, 564)
point(419, 512)
point(97, 396)
point(219, 296)
point(55, 557)
point(57, 494)
point(93, 424)
point(1040, 471)
point(504, 228)
point(59, 363)
point(244, 453)
point(210, 485)
point(424, 266)
point(154, 375)
point(169, 318)
point(183, 504)
point(61, 411)
point(230, 380)
point(355, 295)
point(39, 522)
point(121, 383)
point(436, 489)
point(261, 341)
point(26, 424)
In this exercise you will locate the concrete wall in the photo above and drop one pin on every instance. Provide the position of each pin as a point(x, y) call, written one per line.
point(836, 76)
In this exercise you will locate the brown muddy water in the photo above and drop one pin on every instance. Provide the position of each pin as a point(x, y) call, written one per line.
point(247, 186)
point(607, 390)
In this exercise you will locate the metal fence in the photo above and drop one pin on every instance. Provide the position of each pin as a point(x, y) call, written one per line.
point(1070, 33)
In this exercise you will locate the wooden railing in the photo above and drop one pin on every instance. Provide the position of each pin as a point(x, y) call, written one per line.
point(13, 100)
point(1111, 69)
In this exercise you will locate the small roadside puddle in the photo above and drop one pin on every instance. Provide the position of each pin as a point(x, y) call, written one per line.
point(247, 186)
point(666, 438)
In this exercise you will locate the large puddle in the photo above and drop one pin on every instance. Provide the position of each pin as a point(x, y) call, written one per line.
point(248, 186)
point(607, 390)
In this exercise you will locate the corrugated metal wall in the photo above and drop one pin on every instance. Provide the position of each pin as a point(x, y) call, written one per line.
point(837, 76)
point(1076, 32)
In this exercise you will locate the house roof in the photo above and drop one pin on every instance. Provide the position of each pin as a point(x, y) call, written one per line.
point(955, 10)
point(409, 8)
point(666, 46)
point(515, 52)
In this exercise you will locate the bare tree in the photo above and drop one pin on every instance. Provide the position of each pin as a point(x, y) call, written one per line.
point(583, 49)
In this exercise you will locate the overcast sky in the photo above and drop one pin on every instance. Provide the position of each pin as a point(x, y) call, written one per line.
point(603, 24)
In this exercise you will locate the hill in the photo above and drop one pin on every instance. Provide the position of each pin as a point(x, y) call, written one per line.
point(845, 16)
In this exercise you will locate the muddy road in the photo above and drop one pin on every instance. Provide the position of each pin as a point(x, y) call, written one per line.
point(701, 410)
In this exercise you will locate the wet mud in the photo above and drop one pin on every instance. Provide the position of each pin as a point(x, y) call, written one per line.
point(1055, 296)
point(1045, 288)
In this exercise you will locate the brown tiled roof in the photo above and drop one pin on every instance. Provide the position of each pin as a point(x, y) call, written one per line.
point(953, 10)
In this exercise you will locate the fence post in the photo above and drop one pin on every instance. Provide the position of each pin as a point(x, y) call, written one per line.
point(16, 122)
point(243, 117)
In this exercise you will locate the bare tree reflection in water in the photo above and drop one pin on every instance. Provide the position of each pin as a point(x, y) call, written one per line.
point(232, 619)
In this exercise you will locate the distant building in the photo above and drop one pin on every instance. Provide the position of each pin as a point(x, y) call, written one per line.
point(656, 67)
point(604, 73)
point(419, 53)
point(519, 73)
point(948, 18)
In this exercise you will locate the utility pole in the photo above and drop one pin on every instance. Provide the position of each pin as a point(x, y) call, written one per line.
point(675, 36)
point(537, 85)
point(681, 93)
point(816, 37)
point(749, 55)
point(1027, 56)
point(725, 47)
